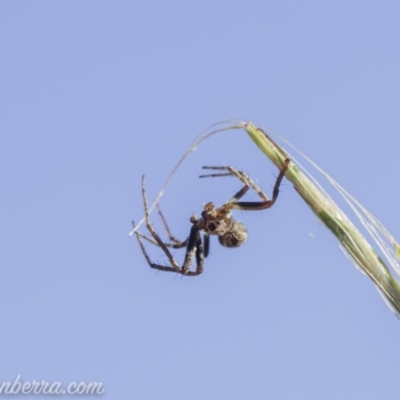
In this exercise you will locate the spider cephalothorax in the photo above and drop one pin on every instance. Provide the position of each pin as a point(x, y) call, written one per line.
point(213, 221)
point(219, 222)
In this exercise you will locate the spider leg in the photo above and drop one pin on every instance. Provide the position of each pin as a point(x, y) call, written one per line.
point(262, 205)
point(178, 243)
point(151, 264)
point(199, 259)
point(170, 245)
point(194, 245)
point(194, 249)
point(200, 254)
point(243, 177)
point(206, 244)
point(153, 233)
point(239, 194)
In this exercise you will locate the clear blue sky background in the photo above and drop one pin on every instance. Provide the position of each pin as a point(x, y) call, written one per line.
point(93, 95)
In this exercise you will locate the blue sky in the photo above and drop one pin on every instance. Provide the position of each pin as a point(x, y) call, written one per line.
point(93, 95)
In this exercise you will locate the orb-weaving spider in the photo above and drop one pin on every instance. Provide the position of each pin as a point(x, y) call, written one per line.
point(213, 221)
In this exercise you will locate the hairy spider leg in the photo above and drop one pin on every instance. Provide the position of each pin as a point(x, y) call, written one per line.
point(194, 246)
point(178, 243)
point(170, 245)
point(242, 176)
point(151, 229)
point(262, 205)
point(199, 259)
point(206, 238)
point(250, 205)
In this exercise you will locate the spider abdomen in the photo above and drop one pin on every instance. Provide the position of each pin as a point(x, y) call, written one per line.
point(235, 236)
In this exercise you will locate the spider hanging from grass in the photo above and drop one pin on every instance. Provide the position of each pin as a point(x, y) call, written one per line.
point(213, 221)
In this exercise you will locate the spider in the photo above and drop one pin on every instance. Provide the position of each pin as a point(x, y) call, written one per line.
point(213, 221)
